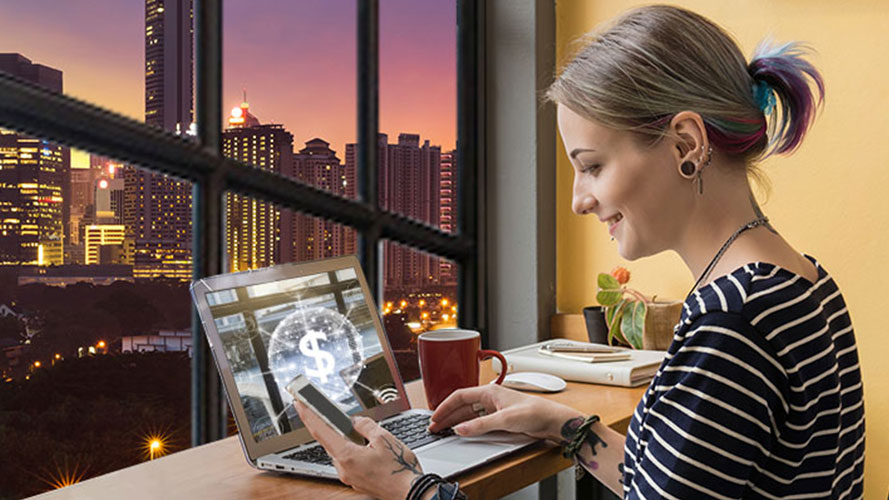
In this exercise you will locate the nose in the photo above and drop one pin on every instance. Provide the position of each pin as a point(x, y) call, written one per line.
point(582, 201)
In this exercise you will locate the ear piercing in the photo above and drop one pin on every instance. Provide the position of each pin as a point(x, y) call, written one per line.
point(689, 169)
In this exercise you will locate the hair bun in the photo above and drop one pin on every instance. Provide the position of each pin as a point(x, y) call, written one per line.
point(782, 71)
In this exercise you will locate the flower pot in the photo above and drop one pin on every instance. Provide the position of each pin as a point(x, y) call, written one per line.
point(596, 328)
point(659, 322)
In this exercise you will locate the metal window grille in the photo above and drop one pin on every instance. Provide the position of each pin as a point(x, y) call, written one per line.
point(29, 109)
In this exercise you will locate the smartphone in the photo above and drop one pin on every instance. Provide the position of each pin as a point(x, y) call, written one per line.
point(303, 390)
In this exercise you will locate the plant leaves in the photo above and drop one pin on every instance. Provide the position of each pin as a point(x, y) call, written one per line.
point(633, 323)
point(607, 282)
point(607, 298)
point(612, 318)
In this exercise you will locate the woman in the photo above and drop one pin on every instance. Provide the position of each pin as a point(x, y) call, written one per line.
point(760, 393)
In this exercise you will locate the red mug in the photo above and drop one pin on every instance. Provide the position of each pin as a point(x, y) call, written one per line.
point(449, 360)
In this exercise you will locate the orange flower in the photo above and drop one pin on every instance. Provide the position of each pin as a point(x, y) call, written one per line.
point(621, 274)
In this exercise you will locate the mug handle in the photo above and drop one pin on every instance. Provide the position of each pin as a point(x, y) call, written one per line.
point(487, 353)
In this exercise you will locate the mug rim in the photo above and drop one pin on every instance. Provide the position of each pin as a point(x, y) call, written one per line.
point(449, 334)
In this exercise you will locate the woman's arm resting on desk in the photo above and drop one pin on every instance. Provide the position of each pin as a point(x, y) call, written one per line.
point(513, 411)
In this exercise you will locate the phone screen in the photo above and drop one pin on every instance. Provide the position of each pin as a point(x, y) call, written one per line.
point(336, 417)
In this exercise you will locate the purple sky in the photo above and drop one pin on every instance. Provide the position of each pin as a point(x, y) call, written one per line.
point(295, 58)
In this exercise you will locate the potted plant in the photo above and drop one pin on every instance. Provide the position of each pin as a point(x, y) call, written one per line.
point(632, 318)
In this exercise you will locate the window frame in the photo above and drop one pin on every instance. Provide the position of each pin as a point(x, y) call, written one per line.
point(29, 109)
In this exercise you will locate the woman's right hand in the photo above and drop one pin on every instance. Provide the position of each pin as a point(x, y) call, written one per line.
point(504, 409)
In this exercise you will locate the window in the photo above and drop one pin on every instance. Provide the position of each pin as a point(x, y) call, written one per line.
point(342, 205)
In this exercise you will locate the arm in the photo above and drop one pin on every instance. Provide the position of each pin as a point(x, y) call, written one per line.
point(384, 468)
point(513, 411)
point(602, 455)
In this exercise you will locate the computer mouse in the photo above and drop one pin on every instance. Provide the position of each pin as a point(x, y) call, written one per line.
point(534, 381)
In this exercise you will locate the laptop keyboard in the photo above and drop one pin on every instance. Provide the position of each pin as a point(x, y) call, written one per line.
point(411, 430)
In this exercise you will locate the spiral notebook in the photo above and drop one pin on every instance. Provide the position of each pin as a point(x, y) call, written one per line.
point(633, 372)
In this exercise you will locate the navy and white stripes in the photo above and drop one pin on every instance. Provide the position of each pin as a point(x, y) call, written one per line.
point(760, 395)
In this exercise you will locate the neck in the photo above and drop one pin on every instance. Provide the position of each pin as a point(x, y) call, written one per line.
point(726, 205)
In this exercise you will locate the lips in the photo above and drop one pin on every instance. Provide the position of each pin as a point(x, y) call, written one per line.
point(613, 223)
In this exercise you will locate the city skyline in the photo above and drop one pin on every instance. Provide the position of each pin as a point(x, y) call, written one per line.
point(269, 49)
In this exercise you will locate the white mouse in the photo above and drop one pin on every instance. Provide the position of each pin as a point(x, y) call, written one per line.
point(534, 381)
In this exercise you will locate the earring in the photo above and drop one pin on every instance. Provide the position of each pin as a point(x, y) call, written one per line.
point(700, 181)
point(687, 168)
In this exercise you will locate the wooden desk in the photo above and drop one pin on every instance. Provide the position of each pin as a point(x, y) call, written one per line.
point(219, 471)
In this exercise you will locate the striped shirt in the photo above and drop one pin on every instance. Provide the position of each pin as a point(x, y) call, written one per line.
point(759, 396)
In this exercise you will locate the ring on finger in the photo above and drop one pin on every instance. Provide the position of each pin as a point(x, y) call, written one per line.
point(479, 409)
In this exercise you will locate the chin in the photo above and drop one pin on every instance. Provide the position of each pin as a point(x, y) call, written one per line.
point(631, 252)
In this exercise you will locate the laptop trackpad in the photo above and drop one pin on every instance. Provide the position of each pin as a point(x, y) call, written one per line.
point(468, 452)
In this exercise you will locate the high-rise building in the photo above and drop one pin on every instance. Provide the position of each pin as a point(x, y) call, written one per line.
point(448, 210)
point(252, 227)
point(104, 244)
point(157, 211)
point(169, 63)
point(34, 182)
point(409, 184)
point(308, 238)
point(109, 201)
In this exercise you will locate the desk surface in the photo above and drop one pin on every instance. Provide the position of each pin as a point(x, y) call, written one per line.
point(219, 470)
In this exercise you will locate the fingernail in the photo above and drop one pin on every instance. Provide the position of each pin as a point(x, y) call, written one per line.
point(460, 429)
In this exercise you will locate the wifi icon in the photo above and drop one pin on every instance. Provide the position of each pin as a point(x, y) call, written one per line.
point(387, 394)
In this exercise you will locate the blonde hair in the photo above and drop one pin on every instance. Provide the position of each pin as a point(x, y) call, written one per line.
point(656, 61)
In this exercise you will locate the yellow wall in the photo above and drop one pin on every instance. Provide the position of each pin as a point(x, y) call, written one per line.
point(830, 199)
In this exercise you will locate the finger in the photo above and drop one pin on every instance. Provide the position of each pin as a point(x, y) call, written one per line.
point(457, 416)
point(368, 428)
point(329, 439)
point(481, 425)
point(459, 399)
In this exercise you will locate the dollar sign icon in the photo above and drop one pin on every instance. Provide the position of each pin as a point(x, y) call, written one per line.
point(308, 345)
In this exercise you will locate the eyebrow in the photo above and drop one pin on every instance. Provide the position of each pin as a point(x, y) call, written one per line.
point(577, 151)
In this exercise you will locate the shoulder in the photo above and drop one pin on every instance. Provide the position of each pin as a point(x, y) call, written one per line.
point(764, 294)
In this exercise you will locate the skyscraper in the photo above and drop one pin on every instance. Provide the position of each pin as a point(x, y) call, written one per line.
point(34, 182)
point(409, 184)
point(448, 210)
point(309, 238)
point(252, 227)
point(169, 63)
point(157, 212)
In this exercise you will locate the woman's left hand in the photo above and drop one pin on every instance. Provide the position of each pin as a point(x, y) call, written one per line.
point(384, 468)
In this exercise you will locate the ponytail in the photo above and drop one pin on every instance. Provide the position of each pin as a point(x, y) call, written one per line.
point(782, 72)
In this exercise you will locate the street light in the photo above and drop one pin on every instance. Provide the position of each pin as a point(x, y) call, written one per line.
point(155, 448)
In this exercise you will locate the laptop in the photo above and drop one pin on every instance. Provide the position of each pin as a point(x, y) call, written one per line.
point(318, 319)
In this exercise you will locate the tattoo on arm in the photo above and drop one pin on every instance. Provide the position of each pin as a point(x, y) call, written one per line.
point(406, 463)
point(569, 429)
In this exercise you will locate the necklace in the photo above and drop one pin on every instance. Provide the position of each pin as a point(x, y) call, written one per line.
point(759, 221)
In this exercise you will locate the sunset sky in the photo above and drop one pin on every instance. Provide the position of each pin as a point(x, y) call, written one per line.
point(295, 58)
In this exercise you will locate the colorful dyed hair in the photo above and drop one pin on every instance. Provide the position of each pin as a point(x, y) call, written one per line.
point(656, 61)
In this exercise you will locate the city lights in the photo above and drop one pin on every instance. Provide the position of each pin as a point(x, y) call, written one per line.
point(155, 445)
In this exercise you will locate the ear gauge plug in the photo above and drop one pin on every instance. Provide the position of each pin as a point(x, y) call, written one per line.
point(687, 168)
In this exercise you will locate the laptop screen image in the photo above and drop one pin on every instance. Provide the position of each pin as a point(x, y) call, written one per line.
point(318, 325)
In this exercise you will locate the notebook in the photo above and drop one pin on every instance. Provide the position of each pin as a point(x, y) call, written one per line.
point(318, 319)
point(633, 372)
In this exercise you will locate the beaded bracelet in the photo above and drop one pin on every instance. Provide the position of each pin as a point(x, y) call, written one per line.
point(580, 435)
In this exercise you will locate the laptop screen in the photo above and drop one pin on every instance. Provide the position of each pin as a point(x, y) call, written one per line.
point(318, 325)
